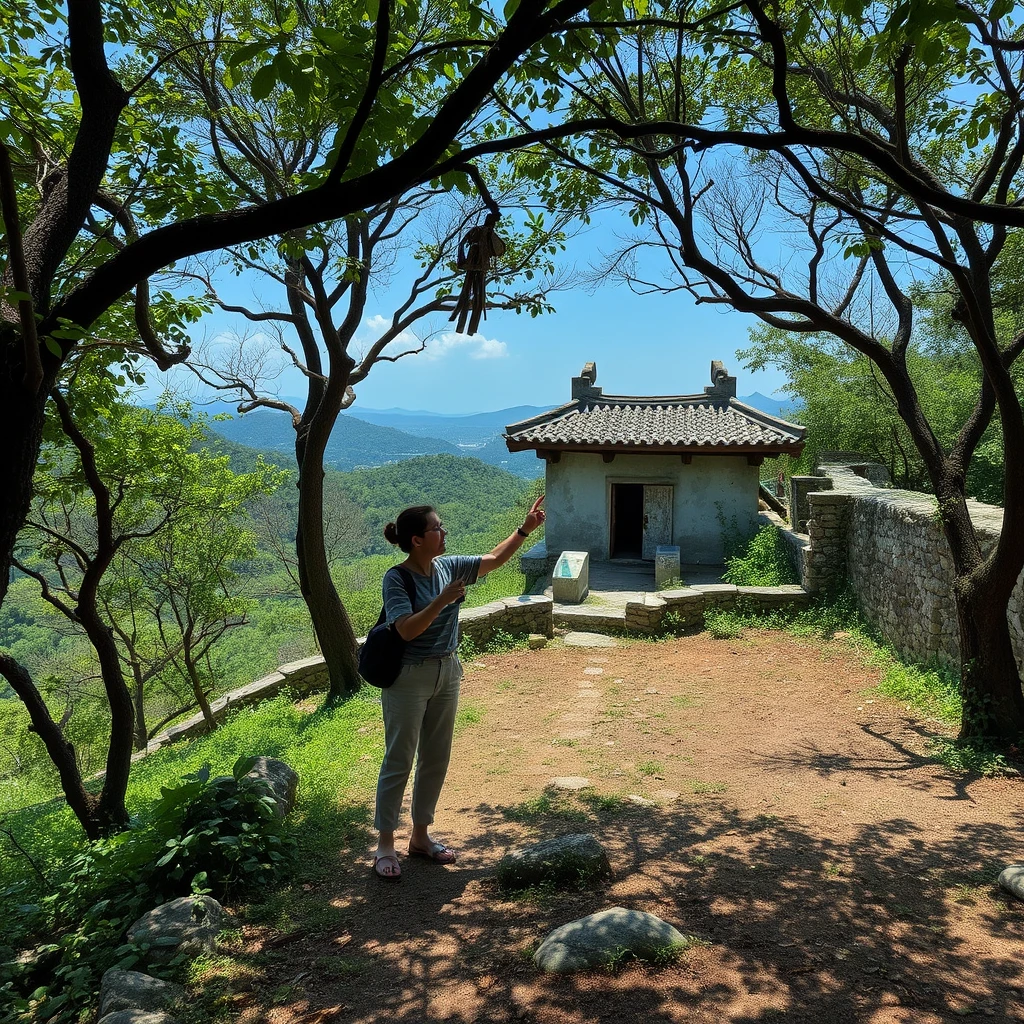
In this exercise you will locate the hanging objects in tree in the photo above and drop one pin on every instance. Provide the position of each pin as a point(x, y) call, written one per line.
point(479, 251)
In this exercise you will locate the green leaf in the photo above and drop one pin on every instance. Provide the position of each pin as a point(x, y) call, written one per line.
point(263, 82)
point(245, 53)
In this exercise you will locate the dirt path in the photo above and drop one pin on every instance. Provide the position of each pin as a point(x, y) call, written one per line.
point(786, 817)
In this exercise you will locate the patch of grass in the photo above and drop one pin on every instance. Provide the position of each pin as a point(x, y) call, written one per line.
point(603, 805)
point(969, 758)
point(673, 583)
point(469, 713)
point(659, 956)
point(934, 691)
point(650, 767)
point(502, 642)
point(723, 625)
point(701, 788)
point(541, 894)
point(547, 805)
point(683, 700)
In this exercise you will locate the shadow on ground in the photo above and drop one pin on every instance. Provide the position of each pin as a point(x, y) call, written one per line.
point(793, 927)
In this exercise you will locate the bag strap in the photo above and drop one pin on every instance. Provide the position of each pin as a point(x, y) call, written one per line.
point(410, 588)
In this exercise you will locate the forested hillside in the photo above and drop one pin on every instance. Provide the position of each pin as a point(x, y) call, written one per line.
point(353, 442)
point(479, 504)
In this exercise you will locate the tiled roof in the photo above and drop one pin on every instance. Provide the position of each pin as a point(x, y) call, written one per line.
point(674, 423)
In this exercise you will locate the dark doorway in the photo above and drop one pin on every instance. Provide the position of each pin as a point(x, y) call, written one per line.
point(627, 520)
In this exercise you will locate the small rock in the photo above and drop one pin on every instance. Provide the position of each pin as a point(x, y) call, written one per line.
point(640, 801)
point(1011, 878)
point(282, 779)
point(537, 641)
point(565, 859)
point(479, 664)
point(573, 783)
point(593, 670)
point(132, 990)
point(186, 925)
point(666, 796)
point(600, 939)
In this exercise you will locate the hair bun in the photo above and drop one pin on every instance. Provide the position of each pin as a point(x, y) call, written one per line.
point(391, 533)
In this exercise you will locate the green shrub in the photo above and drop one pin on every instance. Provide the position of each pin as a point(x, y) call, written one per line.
point(764, 562)
point(723, 625)
point(203, 835)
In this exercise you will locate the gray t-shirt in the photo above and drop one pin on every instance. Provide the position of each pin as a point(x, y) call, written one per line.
point(442, 635)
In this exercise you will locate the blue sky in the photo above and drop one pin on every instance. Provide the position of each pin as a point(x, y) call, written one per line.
point(643, 345)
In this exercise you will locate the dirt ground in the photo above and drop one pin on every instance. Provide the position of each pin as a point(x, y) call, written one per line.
point(831, 871)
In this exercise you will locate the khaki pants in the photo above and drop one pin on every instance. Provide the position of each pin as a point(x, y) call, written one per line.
point(419, 719)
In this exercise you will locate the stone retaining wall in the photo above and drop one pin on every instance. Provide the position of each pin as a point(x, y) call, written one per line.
point(514, 615)
point(890, 545)
point(689, 604)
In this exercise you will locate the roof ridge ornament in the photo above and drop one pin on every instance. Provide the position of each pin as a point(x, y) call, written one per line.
point(584, 386)
point(723, 386)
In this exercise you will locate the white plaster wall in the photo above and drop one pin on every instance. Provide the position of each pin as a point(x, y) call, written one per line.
point(578, 489)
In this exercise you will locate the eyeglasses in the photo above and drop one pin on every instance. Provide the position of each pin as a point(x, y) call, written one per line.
point(439, 528)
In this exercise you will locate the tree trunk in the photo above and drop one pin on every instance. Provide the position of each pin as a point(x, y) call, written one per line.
point(60, 750)
point(21, 427)
point(197, 688)
point(111, 812)
point(141, 737)
point(331, 623)
point(993, 702)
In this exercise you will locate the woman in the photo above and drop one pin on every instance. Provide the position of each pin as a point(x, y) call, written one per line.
point(419, 708)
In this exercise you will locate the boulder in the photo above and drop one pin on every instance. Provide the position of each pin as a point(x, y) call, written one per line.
point(599, 940)
point(563, 860)
point(187, 925)
point(132, 990)
point(282, 779)
point(138, 1017)
point(1011, 878)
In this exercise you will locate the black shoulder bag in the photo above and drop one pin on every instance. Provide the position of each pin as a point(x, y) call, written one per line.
point(380, 657)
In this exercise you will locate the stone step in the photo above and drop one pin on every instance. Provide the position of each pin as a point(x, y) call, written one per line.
point(589, 618)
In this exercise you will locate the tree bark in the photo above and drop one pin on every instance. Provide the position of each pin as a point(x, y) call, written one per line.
point(141, 733)
point(192, 669)
point(331, 621)
point(993, 703)
point(60, 750)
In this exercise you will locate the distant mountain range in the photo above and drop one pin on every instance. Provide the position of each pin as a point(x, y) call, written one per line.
point(364, 438)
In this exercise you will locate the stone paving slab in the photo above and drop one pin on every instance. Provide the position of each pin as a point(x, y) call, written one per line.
point(589, 640)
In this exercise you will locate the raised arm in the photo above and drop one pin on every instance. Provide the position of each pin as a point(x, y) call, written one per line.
point(511, 544)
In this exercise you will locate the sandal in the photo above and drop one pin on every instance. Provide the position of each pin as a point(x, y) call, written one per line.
point(386, 867)
point(438, 852)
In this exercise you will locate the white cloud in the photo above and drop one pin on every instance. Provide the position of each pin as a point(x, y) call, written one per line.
point(476, 346)
point(479, 346)
point(374, 326)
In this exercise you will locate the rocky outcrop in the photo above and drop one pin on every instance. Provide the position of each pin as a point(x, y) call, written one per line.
point(606, 937)
point(188, 925)
point(132, 990)
point(564, 860)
